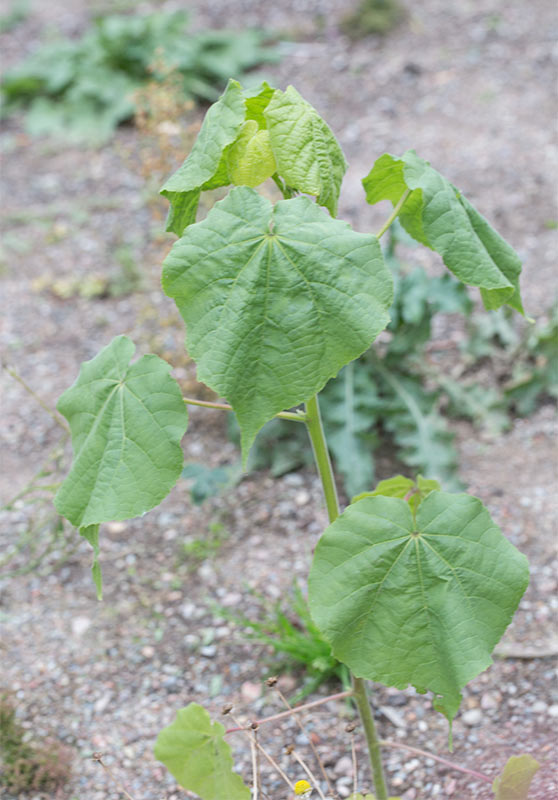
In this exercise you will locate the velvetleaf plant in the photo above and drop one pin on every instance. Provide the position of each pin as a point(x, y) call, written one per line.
point(410, 585)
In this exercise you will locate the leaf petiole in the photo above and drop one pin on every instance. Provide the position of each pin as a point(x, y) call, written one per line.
point(393, 214)
point(294, 416)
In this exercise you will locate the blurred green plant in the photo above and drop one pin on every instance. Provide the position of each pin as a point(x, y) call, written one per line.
point(298, 645)
point(372, 17)
point(17, 13)
point(196, 550)
point(83, 89)
point(28, 766)
point(206, 482)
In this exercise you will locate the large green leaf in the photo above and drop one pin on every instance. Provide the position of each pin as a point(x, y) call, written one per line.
point(276, 299)
point(205, 167)
point(515, 780)
point(437, 214)
point(307, 153)
point(126, 422)
point(416, 602)
point(193, 750)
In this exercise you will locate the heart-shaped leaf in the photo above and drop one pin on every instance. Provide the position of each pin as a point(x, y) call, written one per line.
point(193, 750)
point(276, 299)
point(436, 214)
point(419, 602)
point(126, 422)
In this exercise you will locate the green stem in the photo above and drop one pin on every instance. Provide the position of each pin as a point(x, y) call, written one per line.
point(361, 699)
point(393, 214)
point(323, 463)
point(294, 416)
point(321, 456)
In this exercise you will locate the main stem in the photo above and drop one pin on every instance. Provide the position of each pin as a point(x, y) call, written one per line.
point(323, 463)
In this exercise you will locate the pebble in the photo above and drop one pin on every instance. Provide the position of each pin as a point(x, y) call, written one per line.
point(344, 766)
point(472, 717)
point(553, 711)
point(80, 625)
point(208, 651)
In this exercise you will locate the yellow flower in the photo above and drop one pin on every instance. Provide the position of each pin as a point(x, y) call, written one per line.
point(302, 789)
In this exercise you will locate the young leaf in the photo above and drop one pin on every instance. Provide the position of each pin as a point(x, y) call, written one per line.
point(515, 780)
point(126, 422)
point(416, 603)
point(205, 168)
point(192, 748)
point(307, 153)
point(276, 299)
point(250, 159)
point(437, 215)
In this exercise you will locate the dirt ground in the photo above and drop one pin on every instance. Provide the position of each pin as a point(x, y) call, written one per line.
point(470, 87)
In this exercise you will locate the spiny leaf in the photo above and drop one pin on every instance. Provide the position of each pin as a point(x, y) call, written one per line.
point(421, 603)
point(193, 750)
point(515, 780)
point(411, 416)
point(126, 422)
point(276, 299)
point(307, 153)
point(440, 217)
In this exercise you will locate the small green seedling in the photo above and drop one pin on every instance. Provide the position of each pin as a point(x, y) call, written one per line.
point(409, 584)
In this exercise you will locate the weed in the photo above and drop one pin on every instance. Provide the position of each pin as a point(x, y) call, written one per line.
point(288, 629)
point(371, 17)
point(26, 765)
point(82, 90)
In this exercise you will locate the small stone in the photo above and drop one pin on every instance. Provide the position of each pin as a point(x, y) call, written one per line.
point(302, 497)
point(344, 766)
point(490, 700)
point(148, 651)
point(208, 651)
point(116, 527)
point(553, 711)
point(103, 702)
point(250, 691)
point(539, 707)
point(472, 717)
point(80, 625)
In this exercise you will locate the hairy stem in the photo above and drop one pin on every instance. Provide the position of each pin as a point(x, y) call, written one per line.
point(393, 214)
point(294, 416)
point(323, 463)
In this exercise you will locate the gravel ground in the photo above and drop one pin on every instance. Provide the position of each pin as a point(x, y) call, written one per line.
point(470, 88)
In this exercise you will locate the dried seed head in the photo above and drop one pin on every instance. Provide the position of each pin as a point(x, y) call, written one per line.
point(271, 681)
point(289, 749)
point(254, 725)
point(350, 727)
point(226, 709)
